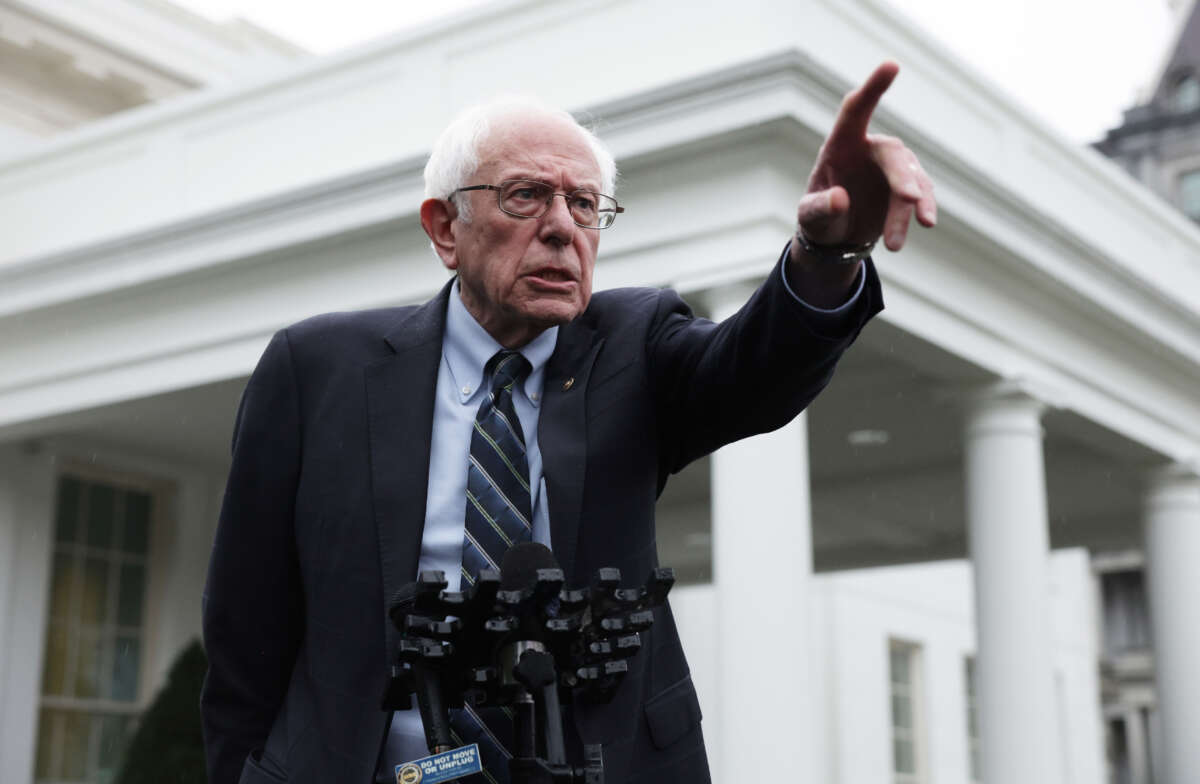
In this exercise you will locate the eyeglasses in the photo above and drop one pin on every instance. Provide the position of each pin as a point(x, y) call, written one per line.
point(531, 199)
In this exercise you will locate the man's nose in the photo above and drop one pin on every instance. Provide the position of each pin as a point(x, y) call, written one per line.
point(557, 225)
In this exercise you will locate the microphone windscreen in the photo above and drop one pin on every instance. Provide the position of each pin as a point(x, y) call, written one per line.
point(519, 567)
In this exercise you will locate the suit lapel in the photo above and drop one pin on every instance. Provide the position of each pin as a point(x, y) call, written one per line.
point(400, 396)
point(562, 435)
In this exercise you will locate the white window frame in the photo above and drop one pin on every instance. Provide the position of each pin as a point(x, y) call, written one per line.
point(160, 493)
point(914, 690)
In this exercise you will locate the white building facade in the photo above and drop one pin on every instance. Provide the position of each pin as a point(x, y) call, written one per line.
point(1027, 400)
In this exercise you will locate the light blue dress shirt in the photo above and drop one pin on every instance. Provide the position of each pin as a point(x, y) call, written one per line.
point(461, 386)
point(466, 348)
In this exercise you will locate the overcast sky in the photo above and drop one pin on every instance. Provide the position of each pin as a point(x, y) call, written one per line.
point(1076, 63)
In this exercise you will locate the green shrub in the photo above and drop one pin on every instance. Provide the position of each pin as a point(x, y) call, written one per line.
point(168, 745)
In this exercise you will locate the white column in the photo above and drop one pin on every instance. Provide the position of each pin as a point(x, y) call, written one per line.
point(1009, 547)
point(762, 560)
point(1173, 557)
point(27, 528)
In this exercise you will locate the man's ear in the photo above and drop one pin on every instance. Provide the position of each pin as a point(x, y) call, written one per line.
point(437, 217)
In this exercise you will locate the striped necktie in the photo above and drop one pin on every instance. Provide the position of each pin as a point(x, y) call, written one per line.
point(498, 516)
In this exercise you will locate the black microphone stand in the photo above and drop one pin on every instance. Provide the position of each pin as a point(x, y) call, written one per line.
point(530, 649)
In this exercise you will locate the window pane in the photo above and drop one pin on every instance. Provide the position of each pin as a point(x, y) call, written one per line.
point(75, 745)
point(114, 735)
point(972, 715)
point(54, 677)
point(101, 500)
point(901, 711)
point(1187, 94)
point(66, 528)
point(137, 523)
point(899, 663)
point(87, 665)
point(129, 605)
point(125, 669)
point(1189, 194)
point(1126, 617)
point(905, 759)
point(47, 741)
point(60, 586)
point(95, 592)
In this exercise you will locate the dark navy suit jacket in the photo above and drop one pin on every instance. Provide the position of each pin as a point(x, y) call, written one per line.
point(325, 506)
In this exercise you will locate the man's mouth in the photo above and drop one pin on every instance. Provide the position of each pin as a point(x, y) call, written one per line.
point(551, 275)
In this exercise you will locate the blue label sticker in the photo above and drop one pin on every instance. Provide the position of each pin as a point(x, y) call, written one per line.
point(447, 766)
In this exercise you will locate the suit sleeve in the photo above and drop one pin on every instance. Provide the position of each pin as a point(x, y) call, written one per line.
point(252, 604)
point(750, 374)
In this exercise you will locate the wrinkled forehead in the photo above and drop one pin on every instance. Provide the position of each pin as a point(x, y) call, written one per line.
point(539, 146)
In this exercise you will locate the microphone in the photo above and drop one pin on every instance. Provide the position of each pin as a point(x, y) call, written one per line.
point(517, 637)
point(531, 579)
point(520, 566)
point(530, 571)
point(427, 662)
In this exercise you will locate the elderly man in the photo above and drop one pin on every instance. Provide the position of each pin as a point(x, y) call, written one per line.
point(512, 406)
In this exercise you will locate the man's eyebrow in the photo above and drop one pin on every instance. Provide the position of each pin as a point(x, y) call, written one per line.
point(524, 174)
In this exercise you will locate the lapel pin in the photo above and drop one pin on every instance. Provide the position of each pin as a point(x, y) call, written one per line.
point(570, 382)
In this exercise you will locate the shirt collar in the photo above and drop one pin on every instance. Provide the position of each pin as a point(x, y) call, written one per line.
point(467, 347)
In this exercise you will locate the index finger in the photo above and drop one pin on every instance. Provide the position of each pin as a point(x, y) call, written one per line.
point(858, 106)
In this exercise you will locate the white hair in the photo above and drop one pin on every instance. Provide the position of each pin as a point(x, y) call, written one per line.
point(455, 155)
